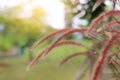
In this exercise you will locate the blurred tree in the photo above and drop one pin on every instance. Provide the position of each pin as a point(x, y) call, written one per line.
point(20, 30)
point(69, 6)
point(80, 9)
point(79, 13)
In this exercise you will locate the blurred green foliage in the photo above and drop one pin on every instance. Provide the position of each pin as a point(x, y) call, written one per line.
point(20, 31)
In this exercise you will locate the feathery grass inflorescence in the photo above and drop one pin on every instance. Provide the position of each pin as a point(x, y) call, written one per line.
point(48, 37)
point(52, 45)
point(89, 53)
point(115, 55)
point(97, 3)
point(103, 57)
point(101, 52)
point(71, 56)
point(108, 25)
point(93, 27)
point(70, 42)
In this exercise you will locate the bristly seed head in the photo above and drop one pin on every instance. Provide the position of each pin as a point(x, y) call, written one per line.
point(100, 50)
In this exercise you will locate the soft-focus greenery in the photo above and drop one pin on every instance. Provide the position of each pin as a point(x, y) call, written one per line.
point(21, 31)
point(46, 70)
point(15, 68)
